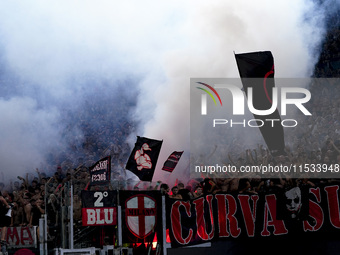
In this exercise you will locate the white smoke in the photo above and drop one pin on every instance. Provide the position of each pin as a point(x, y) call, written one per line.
point(292, 30)
point(57, 49)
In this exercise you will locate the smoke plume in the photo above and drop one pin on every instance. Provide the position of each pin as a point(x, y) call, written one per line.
point(65, 63)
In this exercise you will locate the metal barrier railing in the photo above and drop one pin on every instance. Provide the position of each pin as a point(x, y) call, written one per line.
point(62, 222)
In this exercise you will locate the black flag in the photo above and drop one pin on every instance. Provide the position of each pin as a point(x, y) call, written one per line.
point(143, 158)
point(100, 172)
point(171, 162)
point(99, 207)
point(257, 72)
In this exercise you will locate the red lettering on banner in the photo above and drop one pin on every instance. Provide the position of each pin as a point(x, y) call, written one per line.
point(315, 211)
point(270, 208)
point(233, 223)
point(248, 215)
point(333, 205)
point(12, 234)
point(138, 211)
point(176, 221)
point(222, 212)
point(225, 201)
point(20, 237)
point(200, 220)
point(28, 237)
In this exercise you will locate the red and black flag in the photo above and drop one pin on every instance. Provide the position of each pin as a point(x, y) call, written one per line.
point(171, 162)
point(143, 158)
point(257, 72)
point(141, 215)
point(99, 207)
point(100, 172)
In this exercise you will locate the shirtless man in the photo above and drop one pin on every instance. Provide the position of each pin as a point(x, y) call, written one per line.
point(175, 194)
point(198, 191)
point(225, 184)
point(233, 184)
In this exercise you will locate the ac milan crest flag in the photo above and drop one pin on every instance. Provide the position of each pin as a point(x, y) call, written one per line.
point(143, 158)
point(100, 172)
point(257, 72)
point(171, 162)
point(141, 215)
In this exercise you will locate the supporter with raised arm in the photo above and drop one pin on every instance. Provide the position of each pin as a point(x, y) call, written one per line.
point(208, 186)
point(164, 189)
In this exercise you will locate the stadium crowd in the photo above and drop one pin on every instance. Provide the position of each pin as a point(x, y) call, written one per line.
point(317, 140)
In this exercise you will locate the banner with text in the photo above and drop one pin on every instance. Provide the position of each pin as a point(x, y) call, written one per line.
point(99, 208)
point(21, 237)
point(100, 172)
point(234, 216)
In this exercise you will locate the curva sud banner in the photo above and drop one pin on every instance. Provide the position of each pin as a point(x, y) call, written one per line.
point(226, 216)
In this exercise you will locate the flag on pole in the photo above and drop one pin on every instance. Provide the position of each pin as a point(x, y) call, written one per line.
point(257, 72)
point(100, 172)
point(171, 162)
point(143, 158)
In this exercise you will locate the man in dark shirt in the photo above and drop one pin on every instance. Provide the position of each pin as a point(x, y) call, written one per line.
point(185, 193)
point(5, 219)
point(38, 209)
